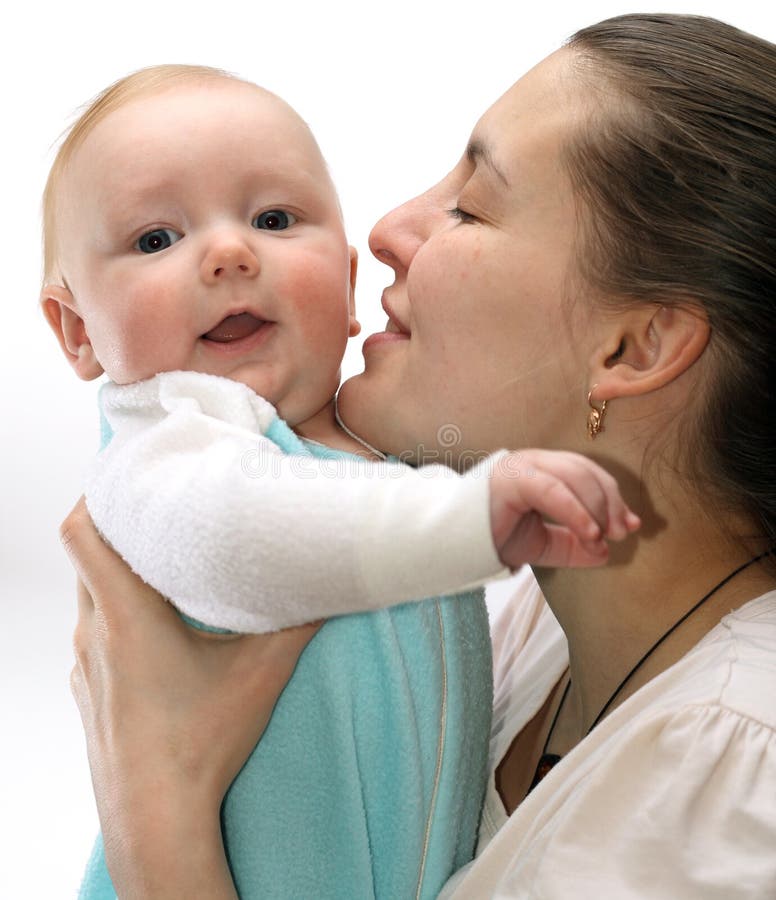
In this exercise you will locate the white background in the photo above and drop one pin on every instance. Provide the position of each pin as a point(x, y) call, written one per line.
point(391, 90)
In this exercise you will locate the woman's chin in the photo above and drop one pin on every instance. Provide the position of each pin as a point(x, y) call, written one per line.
point(358, 405)
point(379, 410)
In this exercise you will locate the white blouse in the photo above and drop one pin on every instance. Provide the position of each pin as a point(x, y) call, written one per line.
point(672, 796)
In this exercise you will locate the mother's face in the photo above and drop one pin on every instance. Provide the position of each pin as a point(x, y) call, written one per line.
point(480, 350)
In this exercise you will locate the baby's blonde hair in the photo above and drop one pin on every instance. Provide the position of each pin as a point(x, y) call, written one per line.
point(131, 87)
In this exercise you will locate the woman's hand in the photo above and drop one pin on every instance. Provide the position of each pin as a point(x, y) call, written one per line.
point(581, 500)
point(170, 716)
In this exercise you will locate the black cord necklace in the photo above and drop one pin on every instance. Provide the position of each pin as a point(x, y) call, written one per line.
point(547, 760)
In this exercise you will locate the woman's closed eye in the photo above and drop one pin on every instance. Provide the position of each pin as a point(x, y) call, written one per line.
point(457, 213)
point(273, 220)
point(156, 240)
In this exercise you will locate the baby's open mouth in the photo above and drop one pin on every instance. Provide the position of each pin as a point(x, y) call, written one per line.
point(233, 328)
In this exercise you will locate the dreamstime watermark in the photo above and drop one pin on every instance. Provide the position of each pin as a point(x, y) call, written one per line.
point(266, 461)
point(447, 451)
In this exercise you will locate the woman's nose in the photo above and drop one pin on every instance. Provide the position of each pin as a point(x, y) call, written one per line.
point(398, 236)
point(229, 256)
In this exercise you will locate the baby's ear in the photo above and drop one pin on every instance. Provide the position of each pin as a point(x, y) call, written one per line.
point(61, 313)
point(355, 325)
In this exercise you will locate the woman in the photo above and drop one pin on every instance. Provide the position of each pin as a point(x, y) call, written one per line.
point(603, 253)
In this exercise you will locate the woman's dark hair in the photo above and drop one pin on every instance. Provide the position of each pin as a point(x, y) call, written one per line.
point(676, 165)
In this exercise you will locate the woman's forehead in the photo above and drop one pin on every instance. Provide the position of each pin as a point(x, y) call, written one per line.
point(529, 125)
point(554, 88)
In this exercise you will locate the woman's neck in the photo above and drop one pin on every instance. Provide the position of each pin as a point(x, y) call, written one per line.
point(613, 615)
point(323, 428)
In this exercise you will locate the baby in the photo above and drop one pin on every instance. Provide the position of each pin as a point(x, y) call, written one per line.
point(195, 252)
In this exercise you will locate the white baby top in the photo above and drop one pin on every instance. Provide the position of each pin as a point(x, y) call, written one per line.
point(672, 796)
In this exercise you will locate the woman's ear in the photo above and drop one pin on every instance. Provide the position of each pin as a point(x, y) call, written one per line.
point(647, 349)
point(355, 325)
point(61, 313)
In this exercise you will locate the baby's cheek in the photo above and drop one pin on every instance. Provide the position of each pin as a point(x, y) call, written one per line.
point(145, 341)
point(312, 281)
point(317, 302)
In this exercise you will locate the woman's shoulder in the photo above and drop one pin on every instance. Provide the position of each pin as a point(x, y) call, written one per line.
point(748, 637)
point(701, 735)
point(725, 684)
point(672, 793)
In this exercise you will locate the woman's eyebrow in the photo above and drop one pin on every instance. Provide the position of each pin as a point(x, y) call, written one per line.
point(479, 151)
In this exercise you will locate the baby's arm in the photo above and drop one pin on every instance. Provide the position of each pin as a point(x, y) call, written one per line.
point(239, 535)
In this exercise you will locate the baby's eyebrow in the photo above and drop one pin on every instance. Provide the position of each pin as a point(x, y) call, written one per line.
point(478, 151)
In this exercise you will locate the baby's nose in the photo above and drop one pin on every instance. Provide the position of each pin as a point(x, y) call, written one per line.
point(229, 257)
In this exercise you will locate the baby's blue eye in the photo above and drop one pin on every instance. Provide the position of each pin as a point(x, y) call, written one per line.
point(156, 240)
point(273, 220)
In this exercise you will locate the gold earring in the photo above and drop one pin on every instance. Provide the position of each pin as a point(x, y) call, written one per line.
point(595, 418)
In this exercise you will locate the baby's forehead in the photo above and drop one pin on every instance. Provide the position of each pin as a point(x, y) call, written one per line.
point(196, 105)
point(218, 123)
point(192, 147)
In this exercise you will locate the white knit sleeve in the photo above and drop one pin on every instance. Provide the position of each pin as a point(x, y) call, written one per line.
point(241, 536)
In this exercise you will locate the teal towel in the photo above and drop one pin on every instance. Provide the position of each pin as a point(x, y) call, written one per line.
point(368, 782)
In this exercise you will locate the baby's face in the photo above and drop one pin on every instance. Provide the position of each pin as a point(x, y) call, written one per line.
point(200, 231)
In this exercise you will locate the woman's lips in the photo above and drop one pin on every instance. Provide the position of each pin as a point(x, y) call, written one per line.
point(384, 337)
point(393, 319)
point(395, 330)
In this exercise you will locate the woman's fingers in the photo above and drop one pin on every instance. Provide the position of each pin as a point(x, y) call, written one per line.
point(75, 535)
point(267, 662)
point(109, 587)
point(101, 570)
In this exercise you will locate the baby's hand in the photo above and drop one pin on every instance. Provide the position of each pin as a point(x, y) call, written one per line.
point(581, 500)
